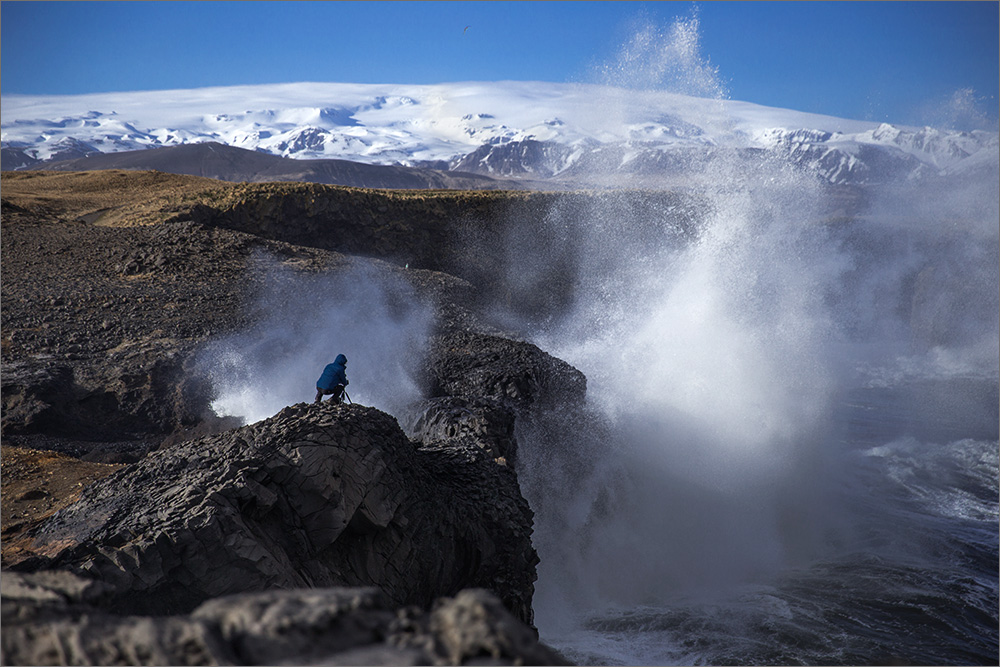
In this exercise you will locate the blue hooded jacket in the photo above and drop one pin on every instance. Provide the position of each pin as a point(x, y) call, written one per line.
point(333, 374)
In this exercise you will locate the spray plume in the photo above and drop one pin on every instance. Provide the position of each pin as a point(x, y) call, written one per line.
point(303, 322)
point(718, 350)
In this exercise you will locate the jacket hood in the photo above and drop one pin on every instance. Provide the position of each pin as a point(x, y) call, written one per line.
point(341, 359)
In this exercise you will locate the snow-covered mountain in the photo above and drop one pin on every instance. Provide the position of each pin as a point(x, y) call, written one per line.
point(576, 132)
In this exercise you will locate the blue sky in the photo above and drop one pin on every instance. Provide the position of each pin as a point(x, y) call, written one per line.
point(904, 62)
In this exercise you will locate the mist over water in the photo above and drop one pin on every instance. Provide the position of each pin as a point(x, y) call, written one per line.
point(304, 321)
point(773, 387)
point(709, 358)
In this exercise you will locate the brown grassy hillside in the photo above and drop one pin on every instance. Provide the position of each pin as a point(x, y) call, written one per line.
point(117, 198)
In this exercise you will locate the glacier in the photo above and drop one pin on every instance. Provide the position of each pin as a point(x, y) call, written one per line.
point(509, 129)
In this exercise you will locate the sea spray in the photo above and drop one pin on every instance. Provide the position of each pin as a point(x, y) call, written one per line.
point(704, 334)
point(664, 59)
point(706, 357)
point(303, 321)
point(770, 385)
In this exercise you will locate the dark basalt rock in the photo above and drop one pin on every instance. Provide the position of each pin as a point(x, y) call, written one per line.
point(481, 384)
point(100, 362)
point(485, 422)
point(142, 387)
point(50, 618)
point(34, 391)
point(518, 374)
point(319, 495)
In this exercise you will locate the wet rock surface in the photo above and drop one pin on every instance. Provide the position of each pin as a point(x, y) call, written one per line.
point(486, 422)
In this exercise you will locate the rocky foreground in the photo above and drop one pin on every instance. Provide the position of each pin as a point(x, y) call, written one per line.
point(141, 529)
point(321, 535)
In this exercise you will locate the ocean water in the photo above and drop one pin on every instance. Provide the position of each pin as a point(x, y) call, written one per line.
point(789, 453)
point(909, 575)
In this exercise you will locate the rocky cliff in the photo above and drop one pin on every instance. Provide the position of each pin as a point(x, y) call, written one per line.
point(323, 534)
point(317, 496)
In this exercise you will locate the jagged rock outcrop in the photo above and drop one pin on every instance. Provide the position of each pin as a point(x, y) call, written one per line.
point(102, 347)
point(319, 495)
point(407, 228)
point(51, 618)
point(487, 423)
point(466, 363)
point(140, 387)
point(33, 393)
point(480, 384)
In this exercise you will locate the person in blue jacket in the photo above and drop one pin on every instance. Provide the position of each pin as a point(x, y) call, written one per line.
point(333, 380)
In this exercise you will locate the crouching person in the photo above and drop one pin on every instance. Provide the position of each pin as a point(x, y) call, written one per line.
point(333, 381)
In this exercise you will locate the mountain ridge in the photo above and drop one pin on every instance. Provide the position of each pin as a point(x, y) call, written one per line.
point(558, 132)
point(230, 163)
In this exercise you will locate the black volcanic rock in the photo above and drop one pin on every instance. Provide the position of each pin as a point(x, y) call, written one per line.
point(130, 306)
point(286, 512)
point(50, 618)
point(102, 348)
point(480, 384)
point(319, 495)
point(516, 373)
point(486, 422)
point(138, 388)
point(35, 392)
